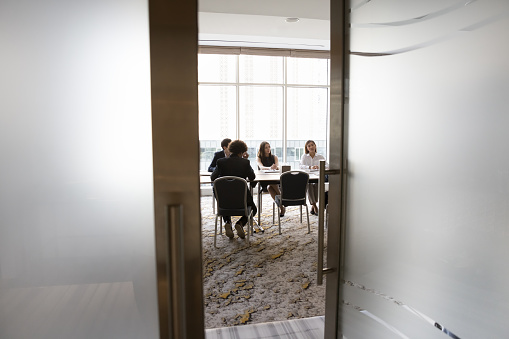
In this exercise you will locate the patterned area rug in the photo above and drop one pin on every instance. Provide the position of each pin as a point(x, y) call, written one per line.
point(273, 279)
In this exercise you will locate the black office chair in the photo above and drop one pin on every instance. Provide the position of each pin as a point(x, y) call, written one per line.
point(293, 187)
point(231, 196)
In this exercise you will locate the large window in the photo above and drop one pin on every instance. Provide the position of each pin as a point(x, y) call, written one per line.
point(280, 99)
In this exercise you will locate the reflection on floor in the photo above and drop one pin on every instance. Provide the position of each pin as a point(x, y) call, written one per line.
point(307, 328)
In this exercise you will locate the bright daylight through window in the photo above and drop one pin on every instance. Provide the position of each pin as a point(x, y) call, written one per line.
point(280, 99)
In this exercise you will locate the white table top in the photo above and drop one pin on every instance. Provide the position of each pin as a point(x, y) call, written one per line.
point(260, 176)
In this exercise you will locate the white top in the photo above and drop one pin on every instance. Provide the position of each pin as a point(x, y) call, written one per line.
point(307, 162)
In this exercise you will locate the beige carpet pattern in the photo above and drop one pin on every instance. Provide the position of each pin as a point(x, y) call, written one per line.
point(273, 279)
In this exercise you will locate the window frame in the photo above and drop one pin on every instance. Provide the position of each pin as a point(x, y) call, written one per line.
point(271, 52)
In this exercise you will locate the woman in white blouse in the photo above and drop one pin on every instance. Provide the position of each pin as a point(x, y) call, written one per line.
point(311, 161)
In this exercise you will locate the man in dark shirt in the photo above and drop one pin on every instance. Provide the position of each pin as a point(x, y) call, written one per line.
point(224, 153)
point(236, 165)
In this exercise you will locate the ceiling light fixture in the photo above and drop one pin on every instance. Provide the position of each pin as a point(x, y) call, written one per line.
point(292, 19)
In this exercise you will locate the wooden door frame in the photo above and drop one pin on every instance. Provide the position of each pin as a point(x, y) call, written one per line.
point(339, 36)
point(174, 92)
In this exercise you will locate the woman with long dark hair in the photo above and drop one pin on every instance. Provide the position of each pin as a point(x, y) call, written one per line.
point(268, 161)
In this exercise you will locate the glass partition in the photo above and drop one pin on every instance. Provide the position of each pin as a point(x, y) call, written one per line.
point(428, 171)
point(76, 200)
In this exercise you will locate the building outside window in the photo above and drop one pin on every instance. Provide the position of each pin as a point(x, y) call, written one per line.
point(280, 99)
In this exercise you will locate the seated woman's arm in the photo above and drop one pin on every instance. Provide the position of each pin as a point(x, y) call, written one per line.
point(304, 162)
point(260, 165)
point(276, 163)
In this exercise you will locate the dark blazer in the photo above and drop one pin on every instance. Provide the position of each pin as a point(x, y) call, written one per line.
point(238, 167)
point(235, 166)
point(218, 155)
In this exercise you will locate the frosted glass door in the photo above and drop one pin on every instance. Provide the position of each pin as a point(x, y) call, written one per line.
point(76, 184)
point(428, 171)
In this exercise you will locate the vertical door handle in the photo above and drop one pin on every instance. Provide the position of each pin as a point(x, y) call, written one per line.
point(175, 270)
point(321, 189)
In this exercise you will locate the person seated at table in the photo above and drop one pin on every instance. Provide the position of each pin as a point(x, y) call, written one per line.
point(236, 165)
point(268, 161)
point(311, 161)
point(223, 153)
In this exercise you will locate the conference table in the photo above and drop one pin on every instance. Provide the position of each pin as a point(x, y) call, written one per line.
point(262, 176)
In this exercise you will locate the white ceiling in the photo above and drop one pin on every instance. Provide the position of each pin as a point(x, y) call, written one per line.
point(261, 23)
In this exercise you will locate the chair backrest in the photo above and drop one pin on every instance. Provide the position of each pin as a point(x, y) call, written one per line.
point(294, 187)
point(231, 195)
